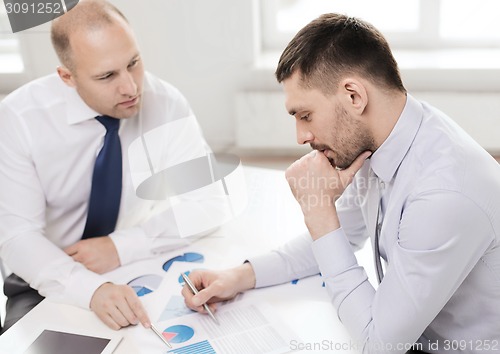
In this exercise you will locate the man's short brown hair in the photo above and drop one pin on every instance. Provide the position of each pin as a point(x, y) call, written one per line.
point(334, 46)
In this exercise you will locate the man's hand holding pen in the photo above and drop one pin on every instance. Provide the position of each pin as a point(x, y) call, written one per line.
point(217, 286)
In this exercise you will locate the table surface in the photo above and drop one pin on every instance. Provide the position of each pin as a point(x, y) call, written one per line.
point(271, 218)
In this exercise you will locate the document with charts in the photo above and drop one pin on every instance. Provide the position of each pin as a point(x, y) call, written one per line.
point(244, 327)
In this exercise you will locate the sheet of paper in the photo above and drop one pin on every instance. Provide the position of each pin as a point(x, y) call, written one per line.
point(166, 302)
point(245, 327)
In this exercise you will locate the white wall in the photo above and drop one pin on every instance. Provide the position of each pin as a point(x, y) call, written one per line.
point(208, 50)
point(205, 48)
point(478, 113)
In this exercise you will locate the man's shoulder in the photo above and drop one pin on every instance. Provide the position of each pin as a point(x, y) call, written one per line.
point(42, 88)
point(162, 102)
point(447, 159)
point(156, 86)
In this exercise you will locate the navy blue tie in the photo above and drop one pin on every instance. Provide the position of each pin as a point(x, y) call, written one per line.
point(106, 191)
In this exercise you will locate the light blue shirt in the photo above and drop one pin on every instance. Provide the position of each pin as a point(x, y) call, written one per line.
point(440, 239)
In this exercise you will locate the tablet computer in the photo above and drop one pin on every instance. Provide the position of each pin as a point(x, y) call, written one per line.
point(58, 342)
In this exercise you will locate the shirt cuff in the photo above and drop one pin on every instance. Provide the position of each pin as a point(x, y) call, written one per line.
point(131, 245)
point(262, 265)
point(334, 253)
point(81, 288)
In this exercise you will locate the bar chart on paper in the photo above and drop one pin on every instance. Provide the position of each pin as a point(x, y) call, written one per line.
point(245, 328)
point(203, 347)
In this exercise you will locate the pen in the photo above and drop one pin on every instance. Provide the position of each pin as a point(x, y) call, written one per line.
point(157, 332)
point(195, 291)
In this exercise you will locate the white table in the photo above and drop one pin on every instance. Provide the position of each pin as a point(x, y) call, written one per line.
point(272, 216)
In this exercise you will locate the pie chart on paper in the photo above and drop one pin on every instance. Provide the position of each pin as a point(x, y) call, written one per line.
point(192, 257)
point(145, 284)
point(178, 333)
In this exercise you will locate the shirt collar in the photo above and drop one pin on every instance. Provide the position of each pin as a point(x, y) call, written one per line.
point(76, 109)
point(386, 160)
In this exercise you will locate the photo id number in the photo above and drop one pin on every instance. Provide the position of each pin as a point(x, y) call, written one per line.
point(32, 8)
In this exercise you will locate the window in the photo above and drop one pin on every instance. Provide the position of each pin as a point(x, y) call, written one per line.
point(408, 24)
point(10, 54)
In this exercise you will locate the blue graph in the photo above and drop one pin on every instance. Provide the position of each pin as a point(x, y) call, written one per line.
point(203, 347)
point(186, 257)
point(145, 284)
point(178, 333)
point(175, 308)
point(181, 280)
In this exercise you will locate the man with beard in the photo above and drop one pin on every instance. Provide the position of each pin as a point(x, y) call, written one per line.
point(387, 167)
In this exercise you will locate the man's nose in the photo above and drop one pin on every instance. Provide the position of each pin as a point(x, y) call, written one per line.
point(304, 135)
point(127, 85)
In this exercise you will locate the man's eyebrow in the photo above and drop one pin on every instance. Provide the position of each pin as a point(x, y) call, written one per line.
point(135, 57)
point(103, 74)
point(295, 110)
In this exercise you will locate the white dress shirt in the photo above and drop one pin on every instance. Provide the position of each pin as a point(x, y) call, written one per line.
point(49, 141)
point(440, 239)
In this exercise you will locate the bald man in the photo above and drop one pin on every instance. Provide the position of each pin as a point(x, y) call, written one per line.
point(49, 141)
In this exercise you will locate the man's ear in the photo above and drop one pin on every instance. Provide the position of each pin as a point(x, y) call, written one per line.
point(66, 75)
point(355, 94)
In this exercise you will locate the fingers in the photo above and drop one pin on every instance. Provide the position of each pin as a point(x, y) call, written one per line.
point(189, 297)
point(114, 318)
point(203, 296)
point(196, 302)
point(98, 254)
point(137, 310)
point(118, 306)
point(207, 283)
point(76, 251)
point(71, 250)
point(216, 286)
point(348, 174)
